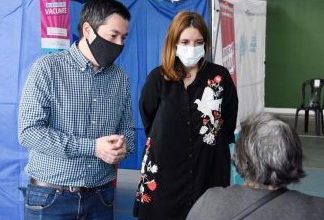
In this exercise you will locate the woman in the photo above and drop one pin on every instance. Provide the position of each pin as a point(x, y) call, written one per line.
point(188, 107)
point(268, 156)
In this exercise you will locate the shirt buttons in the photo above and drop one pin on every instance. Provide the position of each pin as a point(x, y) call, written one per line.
point(190, 155)
point(89, 166)
point(83, 69)
point(190, 171)
point(93, 122)
point(94, 100)
point(188, 122)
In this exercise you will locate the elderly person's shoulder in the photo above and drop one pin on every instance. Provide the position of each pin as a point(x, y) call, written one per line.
point(219, 191)
point(224, 203)
point(217, 202)
point(236, 191)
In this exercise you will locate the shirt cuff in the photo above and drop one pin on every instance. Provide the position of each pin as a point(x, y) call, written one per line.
point(86, 147)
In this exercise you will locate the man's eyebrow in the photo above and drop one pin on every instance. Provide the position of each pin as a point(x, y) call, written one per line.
point(117, 32)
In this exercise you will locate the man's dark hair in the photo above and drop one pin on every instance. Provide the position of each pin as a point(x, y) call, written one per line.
point(96, 11)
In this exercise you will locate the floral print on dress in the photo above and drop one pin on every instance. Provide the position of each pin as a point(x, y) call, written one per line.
point(147, 182)
point(210, 106)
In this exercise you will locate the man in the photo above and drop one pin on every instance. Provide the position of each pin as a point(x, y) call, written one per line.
point(75, 120)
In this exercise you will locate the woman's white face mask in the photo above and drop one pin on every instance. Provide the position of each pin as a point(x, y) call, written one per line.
point(190, 55)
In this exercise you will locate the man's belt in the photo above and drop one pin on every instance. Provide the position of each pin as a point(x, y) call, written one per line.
point(72, 189)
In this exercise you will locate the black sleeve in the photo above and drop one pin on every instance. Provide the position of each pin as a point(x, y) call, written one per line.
point(150, 99)
point(229, 107)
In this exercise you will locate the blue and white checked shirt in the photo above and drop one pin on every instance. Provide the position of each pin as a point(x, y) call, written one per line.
point(64, 107)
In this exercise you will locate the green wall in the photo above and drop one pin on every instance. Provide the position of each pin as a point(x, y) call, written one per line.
point(294, 49)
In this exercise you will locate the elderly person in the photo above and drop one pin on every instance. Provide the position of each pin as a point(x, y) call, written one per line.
point(268, 156)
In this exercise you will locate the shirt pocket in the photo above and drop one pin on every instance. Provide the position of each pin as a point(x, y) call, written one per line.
point(106, 196)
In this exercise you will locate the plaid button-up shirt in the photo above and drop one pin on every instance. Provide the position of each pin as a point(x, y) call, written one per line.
point(64, 107)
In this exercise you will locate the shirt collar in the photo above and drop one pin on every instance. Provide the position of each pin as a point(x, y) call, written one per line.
point(202, 75)
point(78, 57)
point(81, 61)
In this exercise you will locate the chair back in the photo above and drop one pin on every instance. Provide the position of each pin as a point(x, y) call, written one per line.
point(312, 93)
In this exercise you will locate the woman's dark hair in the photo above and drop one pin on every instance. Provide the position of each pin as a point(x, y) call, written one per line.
point(95, 13)
point(269, 151)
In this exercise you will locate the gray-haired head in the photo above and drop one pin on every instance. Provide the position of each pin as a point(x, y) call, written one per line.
point(268, 151)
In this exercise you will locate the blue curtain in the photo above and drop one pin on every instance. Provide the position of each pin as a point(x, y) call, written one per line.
point(20, 45)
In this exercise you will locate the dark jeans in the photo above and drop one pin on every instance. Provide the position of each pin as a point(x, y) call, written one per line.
point(44, 203)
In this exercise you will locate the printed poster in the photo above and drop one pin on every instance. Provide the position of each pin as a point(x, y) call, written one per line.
point(55, 25)
point(228, 37)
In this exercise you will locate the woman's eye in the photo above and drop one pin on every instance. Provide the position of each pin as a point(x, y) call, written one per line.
point(199, 43)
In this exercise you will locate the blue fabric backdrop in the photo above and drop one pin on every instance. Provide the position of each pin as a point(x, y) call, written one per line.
point(20, 45)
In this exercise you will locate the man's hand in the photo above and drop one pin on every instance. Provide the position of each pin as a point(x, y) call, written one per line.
point(111, 149)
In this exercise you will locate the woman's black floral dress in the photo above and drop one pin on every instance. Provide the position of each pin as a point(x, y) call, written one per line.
point(188, 132)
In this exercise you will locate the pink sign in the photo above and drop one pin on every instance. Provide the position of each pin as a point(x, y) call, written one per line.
point(55, 24)
point(228, 37)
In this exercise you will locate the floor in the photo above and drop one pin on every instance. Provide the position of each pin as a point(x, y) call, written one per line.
point(125, 193)
point(313, 147)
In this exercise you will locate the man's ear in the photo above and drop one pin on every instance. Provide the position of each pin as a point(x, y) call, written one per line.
point(86, 30)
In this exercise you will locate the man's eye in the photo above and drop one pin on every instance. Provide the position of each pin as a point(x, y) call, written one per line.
point(113, 36)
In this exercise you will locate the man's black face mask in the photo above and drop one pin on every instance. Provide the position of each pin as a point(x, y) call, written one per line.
point(104, 51)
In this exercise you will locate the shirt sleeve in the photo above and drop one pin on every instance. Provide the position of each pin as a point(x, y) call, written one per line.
point(34, 130)
point(126, 126)
point(150, 99)
point(229, 107)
